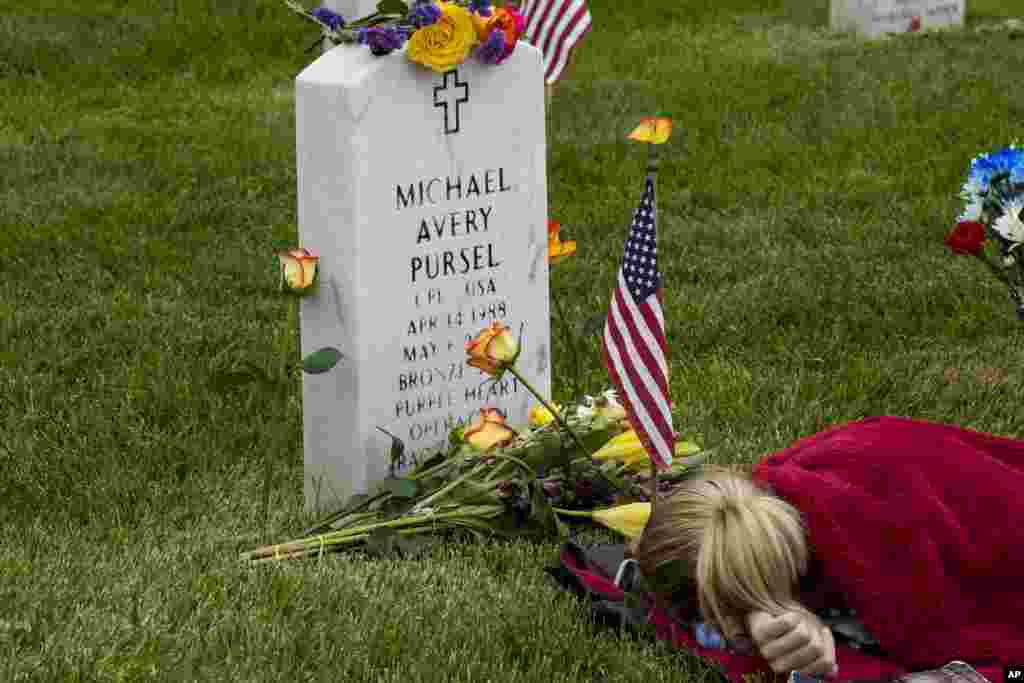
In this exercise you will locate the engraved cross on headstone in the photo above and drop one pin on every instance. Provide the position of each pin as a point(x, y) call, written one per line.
point(450, 98)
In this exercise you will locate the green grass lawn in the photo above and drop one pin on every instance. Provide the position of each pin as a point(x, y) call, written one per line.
point(147, 165)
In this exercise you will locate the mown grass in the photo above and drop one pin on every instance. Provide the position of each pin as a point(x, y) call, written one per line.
point(148, 164)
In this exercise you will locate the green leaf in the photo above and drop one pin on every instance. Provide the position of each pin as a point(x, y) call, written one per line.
point(392, 7)
point(546, 448)
point(543, 515)
point(322, 360)
point(401, 488)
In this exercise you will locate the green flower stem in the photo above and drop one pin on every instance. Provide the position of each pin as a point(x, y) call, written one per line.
point(994, 268)
point(436, 468)
point(551, 409)
point(446, 489)
point(582, 514)
point(313, 550)
point(348, 536)
point(493, 474)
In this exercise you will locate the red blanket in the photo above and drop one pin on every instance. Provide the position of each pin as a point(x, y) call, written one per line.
point(920, 526)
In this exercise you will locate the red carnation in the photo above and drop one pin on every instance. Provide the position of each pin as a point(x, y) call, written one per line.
point(966, 238)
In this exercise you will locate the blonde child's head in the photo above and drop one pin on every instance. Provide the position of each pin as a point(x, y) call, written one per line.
point(733, 545)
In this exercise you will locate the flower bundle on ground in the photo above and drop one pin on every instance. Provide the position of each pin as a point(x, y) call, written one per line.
point(994, 214)
point(492, 481)
point(495, 479)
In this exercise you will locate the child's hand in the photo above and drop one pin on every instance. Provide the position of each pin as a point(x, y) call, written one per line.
point(794, 641)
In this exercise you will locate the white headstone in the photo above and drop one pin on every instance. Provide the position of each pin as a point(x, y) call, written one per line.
point(350, 10)
point(425, 196)
point(874, 18)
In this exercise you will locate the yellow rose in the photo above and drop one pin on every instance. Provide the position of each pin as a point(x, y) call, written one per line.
point(488, 430)
point(540, 416)
point(446, 43)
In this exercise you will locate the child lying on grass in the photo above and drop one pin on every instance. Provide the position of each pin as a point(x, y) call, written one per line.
point(916, 527)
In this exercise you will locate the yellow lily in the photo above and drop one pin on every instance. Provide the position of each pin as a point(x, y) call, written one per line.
point(628, 520)
point(627, 449)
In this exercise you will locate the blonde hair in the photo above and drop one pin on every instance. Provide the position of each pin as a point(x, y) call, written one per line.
point(737, 546)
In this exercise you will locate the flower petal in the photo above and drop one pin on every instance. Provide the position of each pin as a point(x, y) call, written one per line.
point(653, 130)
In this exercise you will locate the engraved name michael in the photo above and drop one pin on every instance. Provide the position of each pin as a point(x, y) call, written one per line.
point(460, 223)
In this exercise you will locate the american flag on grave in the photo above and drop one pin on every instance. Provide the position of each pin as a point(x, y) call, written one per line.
point(555, 27)
point(634, 345)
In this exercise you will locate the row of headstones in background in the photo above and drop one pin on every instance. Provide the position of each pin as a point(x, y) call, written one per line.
point(874, 18)
point(425, 196)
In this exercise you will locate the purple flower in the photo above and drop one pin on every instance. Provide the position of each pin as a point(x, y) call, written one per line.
point(329, 17)
point(381, 39)
point(552, 488)
point(584, 489)
point(481, 7)
point(507, 489)
point(493, 49)
point(424, 14)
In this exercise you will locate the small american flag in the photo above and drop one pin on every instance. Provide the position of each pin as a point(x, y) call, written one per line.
point(634, 346)
point(555, 27)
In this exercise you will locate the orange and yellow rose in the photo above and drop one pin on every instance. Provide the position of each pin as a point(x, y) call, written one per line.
point(488, 430)
point(298, 269)
point(447, 42)
point(494, 350)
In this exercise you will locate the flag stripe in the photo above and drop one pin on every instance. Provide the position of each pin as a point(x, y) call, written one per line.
point(650, 430)
point(570, 37)
point(635, 320)
point(555, 27)
point(649, 384)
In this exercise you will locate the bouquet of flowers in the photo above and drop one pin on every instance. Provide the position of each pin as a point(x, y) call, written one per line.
point(994, 215)
point(496, 480)
point(438, 35)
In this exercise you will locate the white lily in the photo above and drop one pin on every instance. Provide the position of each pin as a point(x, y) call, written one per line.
point(606, 405)
point(1009, 225)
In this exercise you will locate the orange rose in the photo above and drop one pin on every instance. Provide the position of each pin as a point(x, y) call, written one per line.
point(505, 19)
point(488, 430)
point(557, 249)
point(298, 269)
point(494, 350)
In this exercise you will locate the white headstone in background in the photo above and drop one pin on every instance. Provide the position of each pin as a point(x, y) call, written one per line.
point(425, 196)
point(874, 18)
